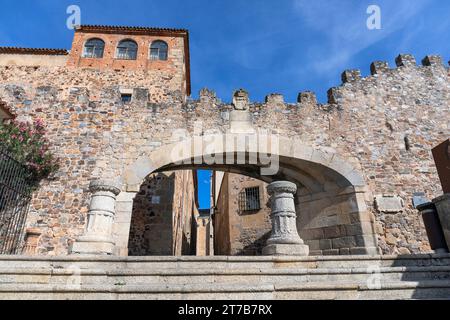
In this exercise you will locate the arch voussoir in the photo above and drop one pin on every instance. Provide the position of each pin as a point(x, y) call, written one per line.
point(291, 154)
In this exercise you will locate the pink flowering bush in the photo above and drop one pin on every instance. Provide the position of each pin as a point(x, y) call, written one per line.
point(26, 143)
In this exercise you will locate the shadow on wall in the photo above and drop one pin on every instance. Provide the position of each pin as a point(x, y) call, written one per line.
point(254, 248)
point(151, 222)
point(336, 222)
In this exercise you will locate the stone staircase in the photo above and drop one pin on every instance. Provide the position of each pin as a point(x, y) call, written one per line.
point(327, 277)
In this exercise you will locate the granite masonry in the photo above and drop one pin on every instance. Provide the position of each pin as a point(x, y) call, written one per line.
point(236, 231)
point(367, 150)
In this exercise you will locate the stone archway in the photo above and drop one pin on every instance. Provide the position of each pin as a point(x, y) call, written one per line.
point(308, 165)
point(332, 215)
point(330, 202)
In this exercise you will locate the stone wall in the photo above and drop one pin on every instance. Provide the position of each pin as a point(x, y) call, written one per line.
point(91, 131)
point(203, 236)
point(152, 220)
point(385, 125)
point(221, 220)
point(33, 60)
point(162, 215)
point(184, 211)
point(245, 232)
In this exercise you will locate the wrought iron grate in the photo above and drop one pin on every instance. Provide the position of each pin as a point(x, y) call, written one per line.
point(15, 196)
point(249, 200)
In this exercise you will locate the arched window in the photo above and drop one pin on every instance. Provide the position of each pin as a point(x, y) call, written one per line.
point(158, 50)
point(127, 50)
point(93, 48)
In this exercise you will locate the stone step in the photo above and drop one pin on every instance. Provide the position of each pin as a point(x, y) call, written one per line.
point(342, 277)
point(246, 276)
point(435, 289)
point(221, 263)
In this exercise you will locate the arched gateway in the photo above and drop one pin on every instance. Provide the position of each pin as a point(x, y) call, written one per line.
point(329, 200)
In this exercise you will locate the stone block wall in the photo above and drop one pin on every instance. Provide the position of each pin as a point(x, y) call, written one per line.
point(203, 236)
point(152, 217)
point(385, 125)
point(245, 233)
point(162, 215)
point(183, 212)
point(336, 223)
point(91, 132)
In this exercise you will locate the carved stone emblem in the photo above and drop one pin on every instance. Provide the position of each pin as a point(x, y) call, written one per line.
point(240, 100)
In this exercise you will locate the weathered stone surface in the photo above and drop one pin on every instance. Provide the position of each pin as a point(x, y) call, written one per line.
point(94, 247)
point(241, 121)
point(284, 226)
point(378, 67)
point(368, 120)
point(161, 227)
point(286, 250)
point(351, 75)
point(432, 60)
point(284, 239)
point(97, 238)
point(405, 60)
point(307, 97)
point(240, 232)
point(389, 204)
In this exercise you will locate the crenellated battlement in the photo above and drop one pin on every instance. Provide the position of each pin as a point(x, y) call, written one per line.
point(94, 86)
point(43, 89)
point(351, 75)
point(405, 60)
point(379, 70)
point(383, 124)
point(274, 98)
point(307, 97)
point(405, 64)
point(379, 67)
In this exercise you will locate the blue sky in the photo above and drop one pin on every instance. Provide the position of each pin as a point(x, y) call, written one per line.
point(204, 185)
point(283, 46)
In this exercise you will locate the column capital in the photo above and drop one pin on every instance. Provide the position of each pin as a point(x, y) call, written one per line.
point(104, 185)
point(281, 187)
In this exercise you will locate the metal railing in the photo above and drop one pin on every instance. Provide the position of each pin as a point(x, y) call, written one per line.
point(15, 195)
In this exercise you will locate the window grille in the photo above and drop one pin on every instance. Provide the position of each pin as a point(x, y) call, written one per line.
point(249, 200)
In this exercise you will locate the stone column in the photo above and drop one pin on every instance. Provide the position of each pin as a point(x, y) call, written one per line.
point(97, 238)
point(442, 204)
point(284, 239)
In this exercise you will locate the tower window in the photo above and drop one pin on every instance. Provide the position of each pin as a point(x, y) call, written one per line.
point(158, 50)
point(126, 97)
point(127, 50)
point(249, 199)
point(94, 48)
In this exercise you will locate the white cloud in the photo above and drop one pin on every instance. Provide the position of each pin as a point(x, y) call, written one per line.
point(343, 25)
